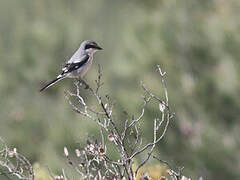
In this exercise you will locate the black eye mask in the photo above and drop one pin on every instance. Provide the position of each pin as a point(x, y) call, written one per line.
point(94, 46)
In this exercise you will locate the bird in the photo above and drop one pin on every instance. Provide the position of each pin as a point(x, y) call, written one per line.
point(78, 65)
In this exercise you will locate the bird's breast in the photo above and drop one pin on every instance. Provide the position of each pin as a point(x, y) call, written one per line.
point(85, 68)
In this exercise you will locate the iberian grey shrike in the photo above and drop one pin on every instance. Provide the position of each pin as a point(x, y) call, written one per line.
point(78, 64)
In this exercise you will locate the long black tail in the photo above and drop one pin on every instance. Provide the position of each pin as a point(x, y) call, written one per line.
point(52, 83)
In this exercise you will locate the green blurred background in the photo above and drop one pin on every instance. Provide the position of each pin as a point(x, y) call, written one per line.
point(196, 42)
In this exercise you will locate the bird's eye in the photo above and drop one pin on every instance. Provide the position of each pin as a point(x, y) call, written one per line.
point(88, 46)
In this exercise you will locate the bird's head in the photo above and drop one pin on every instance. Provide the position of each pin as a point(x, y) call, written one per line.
point(90, 46)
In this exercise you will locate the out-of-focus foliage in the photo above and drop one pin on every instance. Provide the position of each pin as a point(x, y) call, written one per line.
point(154, 171)
point(41, 173)
point(196, 42)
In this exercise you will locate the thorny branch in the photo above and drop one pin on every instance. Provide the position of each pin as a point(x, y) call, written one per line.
point(127, 139)
point(14, 164)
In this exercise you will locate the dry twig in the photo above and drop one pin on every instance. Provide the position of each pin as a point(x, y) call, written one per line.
point(14, 164)
point(101, 166)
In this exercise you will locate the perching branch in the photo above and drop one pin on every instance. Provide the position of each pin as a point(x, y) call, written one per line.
point(127, 139)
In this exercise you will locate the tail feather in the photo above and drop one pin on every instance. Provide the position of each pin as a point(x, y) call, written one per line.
point(52, 83)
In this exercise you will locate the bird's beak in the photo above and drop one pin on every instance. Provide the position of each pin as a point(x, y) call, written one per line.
point(98, 47)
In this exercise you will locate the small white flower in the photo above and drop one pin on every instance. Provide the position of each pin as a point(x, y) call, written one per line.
point(11, 154)
point(91, 148)
point(105, 106)
point(78, 153)
point(111, 137)
point(66, 151)
point(162, 107)
point(57, 177)
point(185, 178)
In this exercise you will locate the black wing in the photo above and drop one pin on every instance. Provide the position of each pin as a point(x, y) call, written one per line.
point(69, 67)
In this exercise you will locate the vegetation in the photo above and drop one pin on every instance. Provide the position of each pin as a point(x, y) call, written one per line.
point(195, 42)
